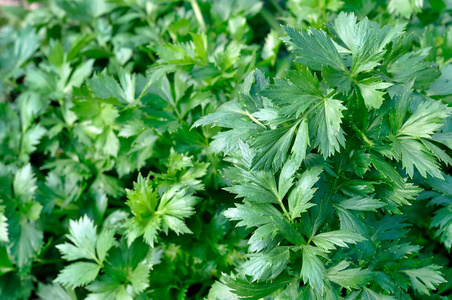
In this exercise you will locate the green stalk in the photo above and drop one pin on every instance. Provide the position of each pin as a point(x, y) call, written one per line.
point(198, 14)
point(368, 142)
point(271, 20)
point(277, 6)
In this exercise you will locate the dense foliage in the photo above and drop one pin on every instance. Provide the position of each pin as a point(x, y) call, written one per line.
point(200, 150)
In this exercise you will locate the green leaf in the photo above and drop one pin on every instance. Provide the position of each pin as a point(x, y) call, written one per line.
point(366, 41)
point(104, 242)
point(301, 143)
point(178, 203)
point(139, 277)
point(362, 204)
point(443, 220)
point(314, 49)
point(411, 66)
point(142, 199)
point(405, 8)
point(245, 290)
point(252, 215)
point(25, 239)
point(313, 270)
point(387, 170)
point(328, 240)
point(78, 274)
point(31, 138)
point(369, 294)
point(350, 221)
point(79, 75)
point(303, 192)
point(296, 94)
point(253, 192)
point(220, 291)
point(54, 291)
point(440, 185)
point(288, 230)
point(425, 279)
point(442, 85)
point(31, 105)
point(25, 44)
point(3, 227)
point(327, 124)
point(426, 120)
point(82, 234)
point(127, 273)
point(107, 289)
point(174, 205)
point(24, 183)
point(349, 278)
point(286, 178)
point(273, 146)
point(438, 152)
point(369, 91)
point(271, 46)
point(229, 115)
point(106, 87)
point(413, 153)
point(268, 266)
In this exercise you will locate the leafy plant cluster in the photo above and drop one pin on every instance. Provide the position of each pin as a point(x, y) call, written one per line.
point(127, 127)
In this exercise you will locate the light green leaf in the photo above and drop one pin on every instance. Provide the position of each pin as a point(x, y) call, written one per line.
point(273, 147)
point(139, 278)
point(82, 234)
point(413, 153)
point(365, 40)
point(220, 291)
point(443, 220)
point(425, 279)
point(3, 227)
point(104, 242)
point(25, 239)
point(303, 192)
point(349, 278)
point(315, 49)
point(78, 274)
point(175, 224)
point(54, 291)
point(369, 294)
point(443, 85)
point(178, 203)
point(252, 215)
point(426, 120)
point(79, 75)
point(405, 8)
point(362, 204)
point(387, 170)
point(268, 266)
point(328, 240)
point(142, 199)
point(296, 94)
point(301, 143)
point(326, 122)
point(369, 91)
point(24, 183)
point(257, 290)
point(313, 269)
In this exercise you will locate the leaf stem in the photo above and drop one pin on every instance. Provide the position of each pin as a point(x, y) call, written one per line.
point(277, 6)
point(283, 207)
point(255, 120)
point(281, 204)
point(271, 20)
point(198, 14)
point(363, 136)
